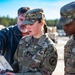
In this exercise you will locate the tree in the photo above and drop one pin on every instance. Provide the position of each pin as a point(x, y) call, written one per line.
point(4, 21)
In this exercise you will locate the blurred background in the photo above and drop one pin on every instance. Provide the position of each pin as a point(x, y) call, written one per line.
point(8, 9)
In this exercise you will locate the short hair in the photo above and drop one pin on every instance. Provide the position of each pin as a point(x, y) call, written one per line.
point(22, 10)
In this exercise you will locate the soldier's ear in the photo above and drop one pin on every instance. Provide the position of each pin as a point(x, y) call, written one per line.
point(42, 22)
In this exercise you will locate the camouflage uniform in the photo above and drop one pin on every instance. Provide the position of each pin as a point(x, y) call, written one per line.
point(36, 59)
point(69, 57)
point(67, 13)
point(36, 56)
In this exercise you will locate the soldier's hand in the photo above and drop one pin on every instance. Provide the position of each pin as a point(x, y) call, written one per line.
point(10, 73)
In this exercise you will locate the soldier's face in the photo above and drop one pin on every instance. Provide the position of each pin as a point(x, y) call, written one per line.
point(69, 28)
point(34, 29)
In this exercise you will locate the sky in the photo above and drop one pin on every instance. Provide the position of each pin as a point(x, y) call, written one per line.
point(51, 7)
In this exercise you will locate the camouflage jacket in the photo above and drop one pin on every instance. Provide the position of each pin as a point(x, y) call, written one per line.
point(36, 59)
point(69, 56)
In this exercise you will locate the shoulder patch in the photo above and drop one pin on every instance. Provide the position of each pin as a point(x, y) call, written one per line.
point(52, 61)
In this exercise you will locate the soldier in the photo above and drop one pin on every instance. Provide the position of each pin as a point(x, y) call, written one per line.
point(67, 20)
point(36, 53)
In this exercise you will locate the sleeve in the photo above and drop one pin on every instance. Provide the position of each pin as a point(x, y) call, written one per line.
point(65, 52)
point(50, 61)
point(18, 56)
point(15, 64)
point(3, 40)
point(19, 49)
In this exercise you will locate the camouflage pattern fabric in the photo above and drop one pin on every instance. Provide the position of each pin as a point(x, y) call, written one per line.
point(69, 57)
point(67, 13)
point(36, 59)
point(33, 15)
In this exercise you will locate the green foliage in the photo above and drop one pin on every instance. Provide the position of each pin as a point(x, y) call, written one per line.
point(6, 21)
point(12, 21)
point(52, 22)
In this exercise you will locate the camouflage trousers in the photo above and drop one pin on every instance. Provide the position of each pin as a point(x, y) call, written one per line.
point(32, 73)
point(69, 74)
point(37, 73)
